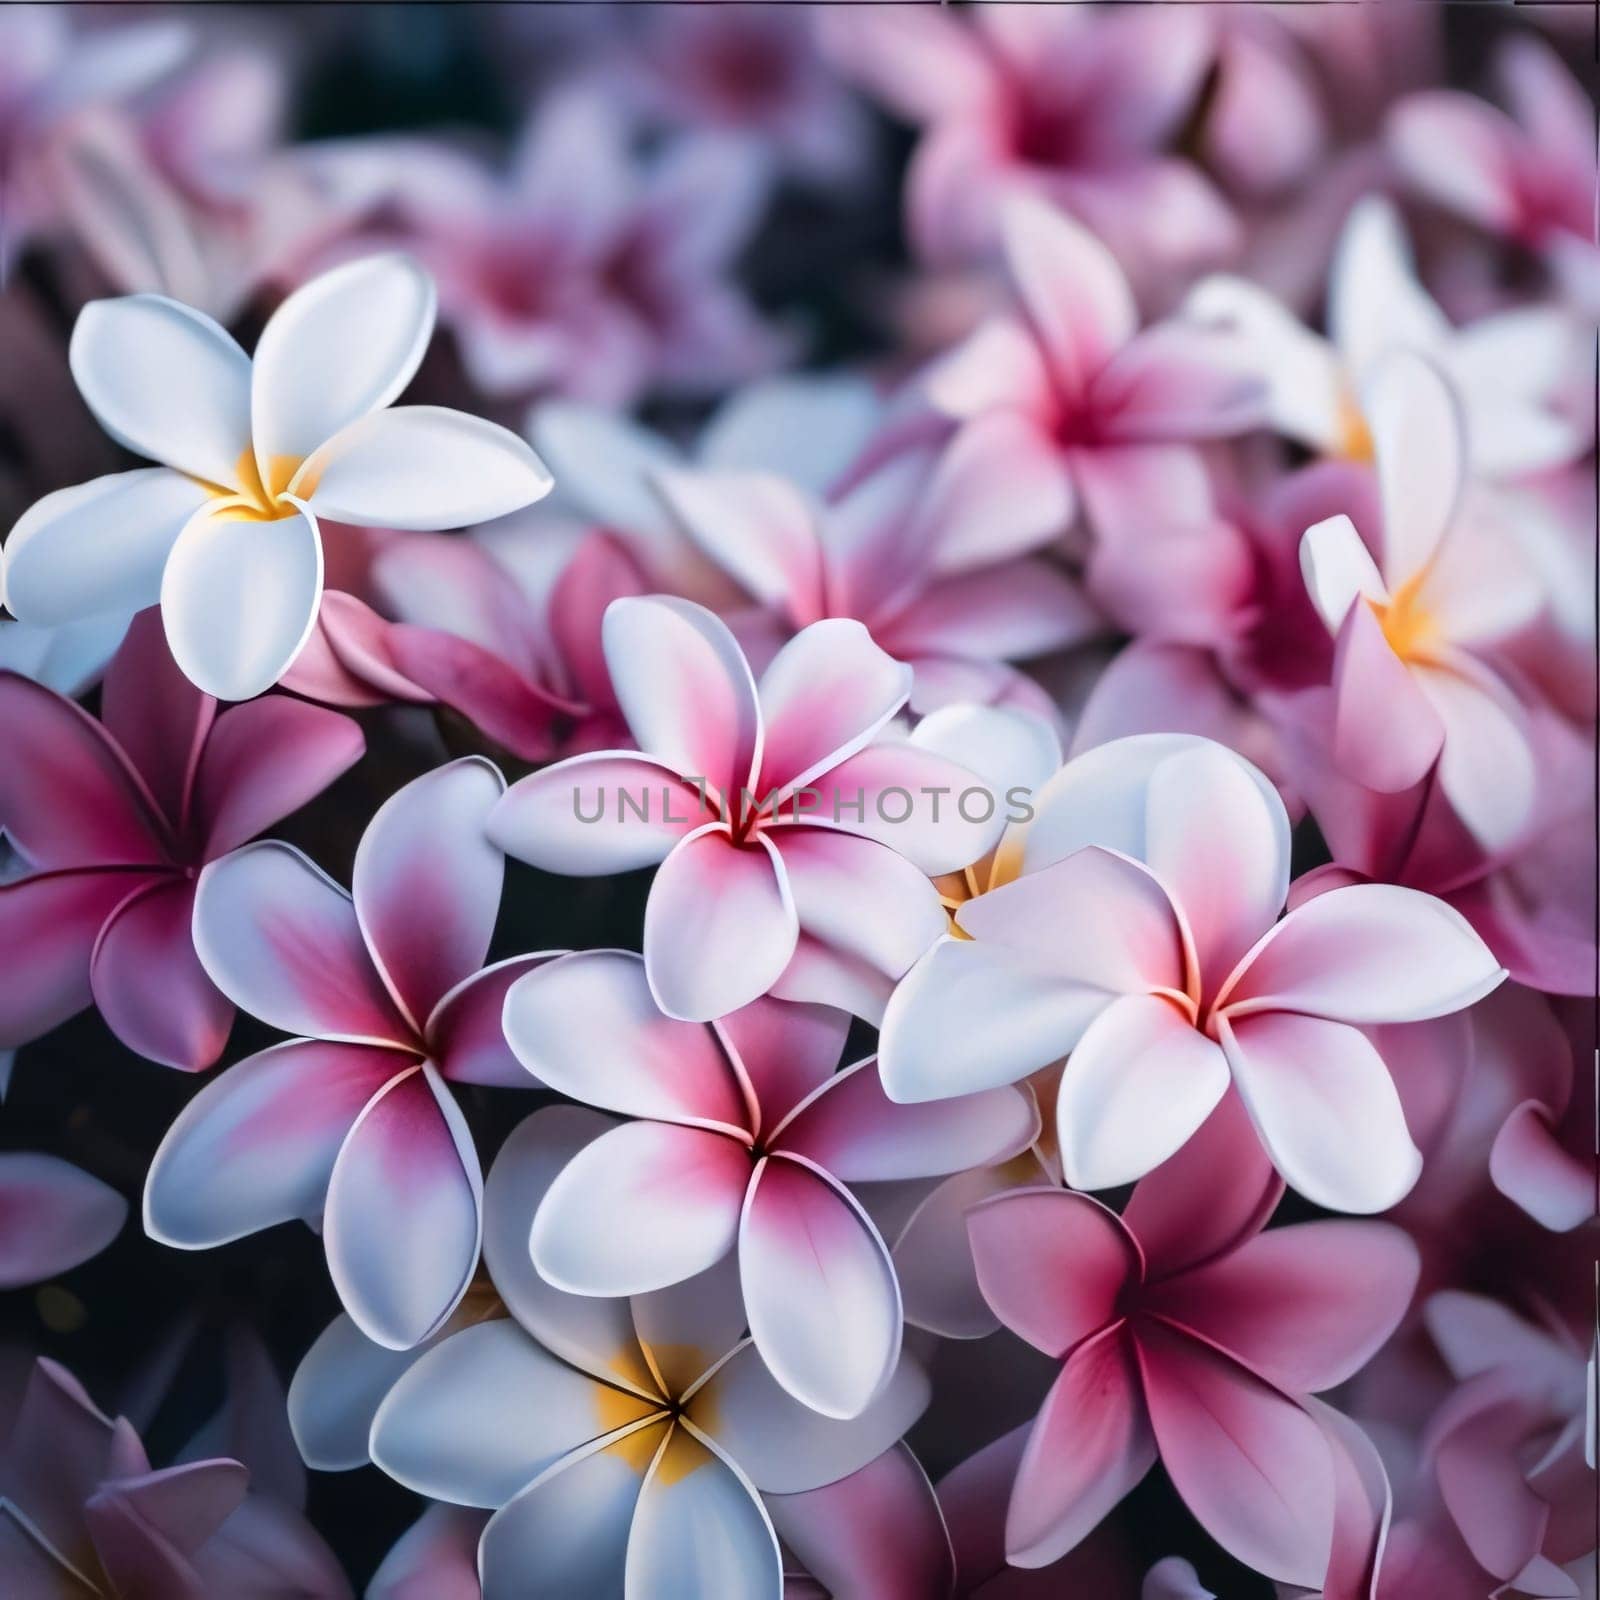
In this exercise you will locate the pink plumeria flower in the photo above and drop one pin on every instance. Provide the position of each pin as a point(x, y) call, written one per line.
point(745, 1137)
point(599, 1430)
point(386, 994)
point(1071, 105)
point(1114, 416)
point(53, 1217)
point(115, 819)
point(436, 1558)
point(224, 532)
point(1190, 1336)
point(932, 552)
point(754, 876)
point(1410, 686)
point(1144, 938)
point(84, 1514)
point(1508, 369)
point(1529, 177)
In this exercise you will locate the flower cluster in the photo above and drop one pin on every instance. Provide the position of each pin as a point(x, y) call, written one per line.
point(908, 923)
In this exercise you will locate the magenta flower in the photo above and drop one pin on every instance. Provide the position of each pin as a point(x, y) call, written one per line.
point(1078, 107)
point(1113, 415)
point(116, 819)
point(386, 994)
point(1189, 1335)
point(53, 1217)
point(84, 1515)
point(1143, 937)
point(793, 849)
point(745, 1137)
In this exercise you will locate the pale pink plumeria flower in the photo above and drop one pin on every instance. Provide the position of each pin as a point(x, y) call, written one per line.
point(1068, 388)
point(386, 993)
point(254, 451)
point(638, 1440)
point(1143, 938)
point(1508, 369)
point(1191, 1336)
point(1527, 177)
point(53, 1217)
point(1410, 685)
point(745, 1139)
point(1073, 105)
point(787, 856)
point(935, 552)
point(115, 819)
point(436, 1558)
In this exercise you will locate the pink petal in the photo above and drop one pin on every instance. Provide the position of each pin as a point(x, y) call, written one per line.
point(155, 714)
point(257, 1144)
point(719, 926)
point(827, 693)
point(466, 1035)
point(1457, 149)
point(402, 1222)
point(1052, 1265)
point(1369, 952)
point(784, 1050)
point(684, 688)
point(587, 1026)
point(436, 1558)
point(1248, 1462)
point(1075, 294)
point(1089, 1445)
point(852, 1130)
point(1174, 382)
point(1137, 1086)
point(860, 897)
point(1531, 1166)
point(1125, 487)
point(1386, 731)
point(1325, 1107)
point(1218, 839)
point(645, 1205)
point(999, 365)
point(68, 795)
point(48, 927)
point(359, 654)
point(282, 941)
point(426, 884)
point(1006, 612)
point(265, 760)
point(1303, 1307)
point(819, 1288)
point(608, 811)
point(149, 984)
point(52, 1217)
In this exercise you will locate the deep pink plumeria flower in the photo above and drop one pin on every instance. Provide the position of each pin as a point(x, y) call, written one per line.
point(352, 1121)
point(1116, 414)
point(744, 1137)
point(116, 819)
point(755, 886)
point(1189, 1335)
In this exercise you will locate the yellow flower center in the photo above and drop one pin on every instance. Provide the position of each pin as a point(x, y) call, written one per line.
point(1411, 629)
point(653, 1424)
point(255, 501)
point(1354, 437)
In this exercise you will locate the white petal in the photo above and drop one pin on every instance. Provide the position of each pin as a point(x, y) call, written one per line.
point(1338, 569)
point(422, 467)
point(1375, 303)
point(99, 546)
point(339, 347)
point(165, 381)
point(239, 599)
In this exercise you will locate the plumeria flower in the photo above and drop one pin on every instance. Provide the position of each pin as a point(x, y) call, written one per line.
point(1078, 108)
point(115, 819)
point(1410, 687)
point(785, 850)
point(436, 1558)
point(53, 1217)
point(745, 1136)
point(1527, 177)
point(932, 552)
point(1508, 369)
point(67, 658)
point(1190, 1336)
point(1112, 415)
point(639, 1440)
point(1143, 936)
point(224, 532)
point(84, 1515)
point(386, 994)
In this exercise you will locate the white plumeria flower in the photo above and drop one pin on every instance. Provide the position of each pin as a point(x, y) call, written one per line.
point(1508, 368)
point(224, 532)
